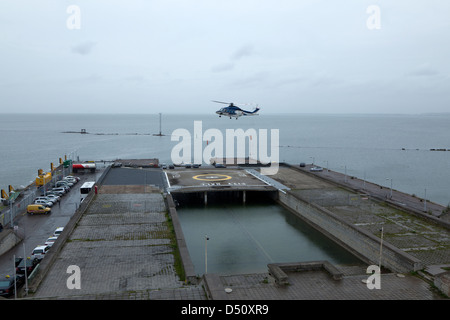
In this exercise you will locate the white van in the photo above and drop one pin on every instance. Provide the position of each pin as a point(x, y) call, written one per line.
point(58, 231)
point(39, 252)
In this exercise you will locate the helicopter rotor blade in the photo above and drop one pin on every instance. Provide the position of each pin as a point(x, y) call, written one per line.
point(221, 102)
point(238, 104)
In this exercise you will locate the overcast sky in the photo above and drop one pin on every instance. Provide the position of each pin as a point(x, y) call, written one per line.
point(175, 56)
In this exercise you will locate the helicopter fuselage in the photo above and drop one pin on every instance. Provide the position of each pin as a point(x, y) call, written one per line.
point(235, 112)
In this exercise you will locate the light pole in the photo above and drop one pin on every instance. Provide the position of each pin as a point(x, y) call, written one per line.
point(390, 194)
point(206, 254)
point(425, 201)
point(381, 247)
point(364, 182)
point(15, 282)
point(10, 212)
point(26, 276)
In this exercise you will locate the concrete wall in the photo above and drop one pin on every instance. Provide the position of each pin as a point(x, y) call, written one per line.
point(442, 282)
point(356, 240)
point(181, 242)
point(8, 240)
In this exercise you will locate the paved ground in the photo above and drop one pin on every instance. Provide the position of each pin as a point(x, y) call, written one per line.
point(396, 197)
point(420, 238)
point(316, 285)
point(134, 176)
point(122, 247)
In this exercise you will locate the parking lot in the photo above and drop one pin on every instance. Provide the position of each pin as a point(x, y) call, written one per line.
point(37, 228)
point(121, 245)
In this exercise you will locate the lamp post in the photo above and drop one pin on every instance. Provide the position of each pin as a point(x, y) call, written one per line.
point(26, 276)
point(425, 201)
point(390, 194)
point(15, 282)
point(364, 181)
point(206, 254)
point(10, 212)
point(381, 247)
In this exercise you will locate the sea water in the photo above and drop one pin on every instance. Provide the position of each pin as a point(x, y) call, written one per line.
point(379, 148)
point(243, 238)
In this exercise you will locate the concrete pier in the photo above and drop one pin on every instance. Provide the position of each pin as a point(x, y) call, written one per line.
point(124, 230)
point(415, 239)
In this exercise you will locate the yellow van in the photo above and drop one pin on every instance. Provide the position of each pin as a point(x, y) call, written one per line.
point(37, 208)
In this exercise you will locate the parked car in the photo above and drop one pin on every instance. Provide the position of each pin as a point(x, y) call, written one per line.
point(70, 180)
point(9, 284)
point(54, 197)
point(74, 177)
point(64, 186)
point(44, 203)
point(39, 252)
point(62, 183)
point(58, 231)
point(171, 166)
point(28, 265)
point(50, 241)
point(219, 165)
point(61, 191)
point(46, 198)
point(38, 208)
point(51, 193)
point(18, 260)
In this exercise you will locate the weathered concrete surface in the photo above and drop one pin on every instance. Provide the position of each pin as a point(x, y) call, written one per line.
point(121, 245)
point(442, 282)
point(318, 285)
point(8, 240)
point(419, 237)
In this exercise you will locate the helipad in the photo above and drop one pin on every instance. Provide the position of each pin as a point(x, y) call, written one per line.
point(212, 179)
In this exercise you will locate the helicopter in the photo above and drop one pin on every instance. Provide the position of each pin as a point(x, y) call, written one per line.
point(234, 111)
